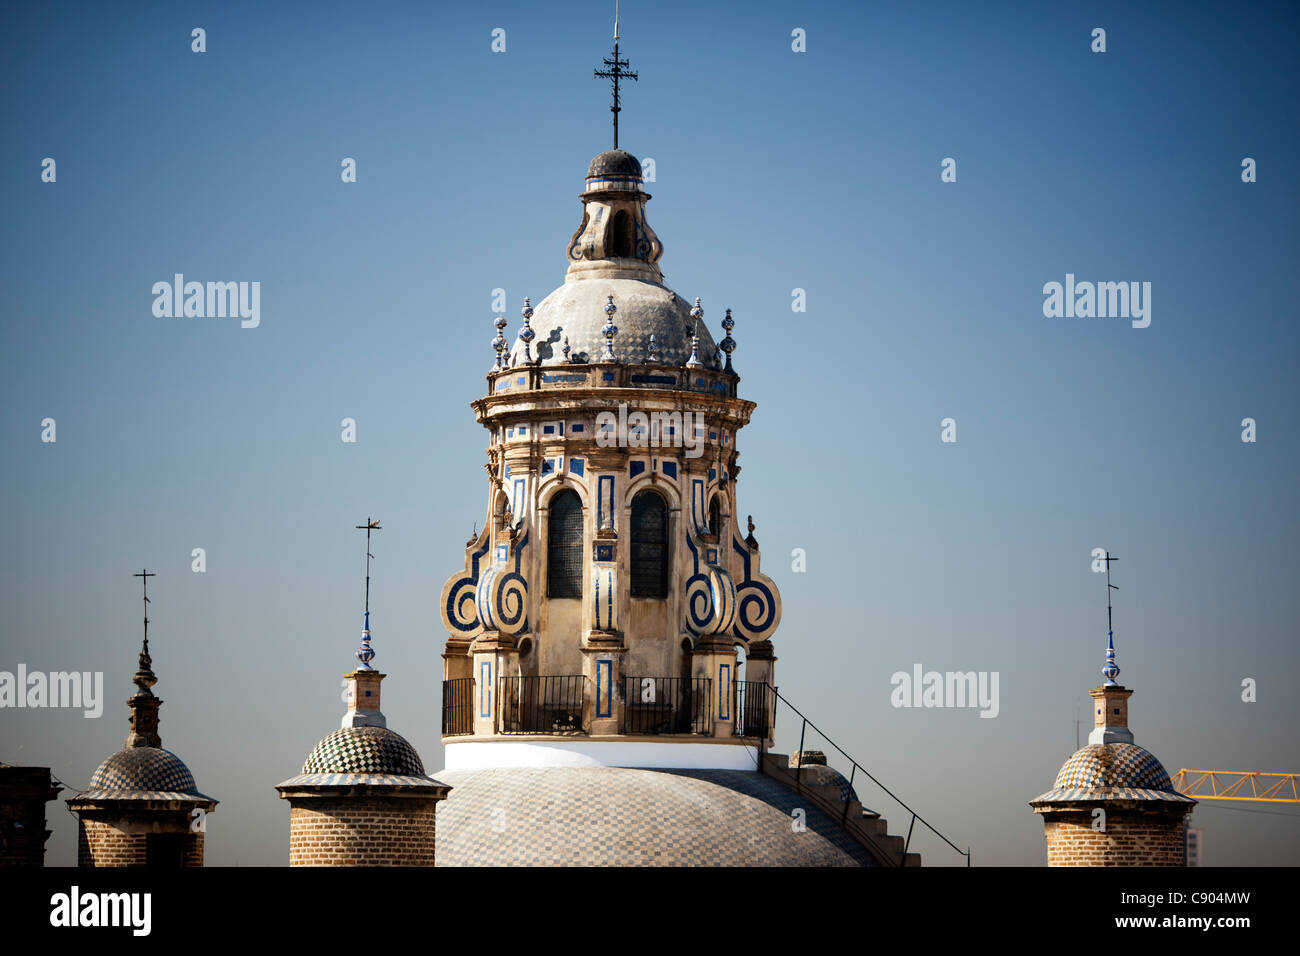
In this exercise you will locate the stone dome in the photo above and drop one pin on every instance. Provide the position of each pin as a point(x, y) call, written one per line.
point(142, 773)
point(352, 750)
point(618, 816)
point(1117, 771)
point(577, 310)
point(614, 164)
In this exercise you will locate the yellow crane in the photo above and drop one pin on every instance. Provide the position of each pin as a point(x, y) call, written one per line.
point(1238, 785)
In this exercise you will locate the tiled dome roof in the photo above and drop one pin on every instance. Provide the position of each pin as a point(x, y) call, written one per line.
point(1113, 765)
point(364, 750)
point(614, 163)
point(148, 774)
point(143, 768)
point(1111, 772)
point(618, 816)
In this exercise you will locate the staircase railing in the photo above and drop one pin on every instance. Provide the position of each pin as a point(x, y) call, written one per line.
point(853, 776)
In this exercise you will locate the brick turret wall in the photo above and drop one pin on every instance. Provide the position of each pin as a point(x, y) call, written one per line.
point(106, 843)
point(1131, 838)
point(361, 832)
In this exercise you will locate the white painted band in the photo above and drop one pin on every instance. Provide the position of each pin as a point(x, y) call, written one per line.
point(679, 755)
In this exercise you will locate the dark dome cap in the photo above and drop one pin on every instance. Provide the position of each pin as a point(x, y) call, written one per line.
point(615, 164)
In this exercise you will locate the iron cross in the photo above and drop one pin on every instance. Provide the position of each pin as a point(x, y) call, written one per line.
point(1110, 625)
point(368, 527)
point(145, 574)
point(614, 72)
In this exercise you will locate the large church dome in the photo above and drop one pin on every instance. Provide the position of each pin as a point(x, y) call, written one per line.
point(617, 816)
point(577, 310)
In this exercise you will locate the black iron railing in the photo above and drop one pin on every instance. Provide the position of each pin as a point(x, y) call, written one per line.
point(668, 705)
point(803, 730)
point(755, 708)
point(540, 705)
point(458, 706)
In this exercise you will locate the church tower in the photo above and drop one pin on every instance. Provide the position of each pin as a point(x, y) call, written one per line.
point(1113, 803)
point(142, 807)
point(608, 669)
point(611, 588)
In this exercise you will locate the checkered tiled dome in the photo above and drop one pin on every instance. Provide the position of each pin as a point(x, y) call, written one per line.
point(364, 750)
point(618, 816)
point(1113, 765)
point(143, 768)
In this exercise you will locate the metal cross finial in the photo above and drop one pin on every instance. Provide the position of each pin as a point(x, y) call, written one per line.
point(369, 526)
point(614, 72)
point(365, 654)
point(1111, 670)
point(145, 574)
point(144, 676)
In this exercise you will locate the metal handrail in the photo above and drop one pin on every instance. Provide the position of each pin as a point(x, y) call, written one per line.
point(551, 704)
point(856, 767)
point(750, 716)
point(668, 705)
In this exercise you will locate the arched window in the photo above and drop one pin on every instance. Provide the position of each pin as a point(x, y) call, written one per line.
point(564, 546)
point(620, 236)
point(715, 516)
point(649, 546)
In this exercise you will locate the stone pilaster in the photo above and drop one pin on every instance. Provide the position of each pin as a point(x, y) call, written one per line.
point(495, 657)
point(602, 666)
point(716, 660)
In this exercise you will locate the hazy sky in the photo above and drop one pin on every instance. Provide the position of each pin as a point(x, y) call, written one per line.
point(775, 171)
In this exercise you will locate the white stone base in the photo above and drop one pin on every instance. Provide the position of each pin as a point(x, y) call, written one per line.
point(1110, 735)
point(588, 752)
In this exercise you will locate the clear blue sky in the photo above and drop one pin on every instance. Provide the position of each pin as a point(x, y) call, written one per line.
point(775, 171)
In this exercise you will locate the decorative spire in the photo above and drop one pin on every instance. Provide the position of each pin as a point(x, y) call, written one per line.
point(1110, 670)
point(651, 351)
point(499, 343)
point(694, 360)
point(144, 705)
point(728, 344)
point(697, 316)
point(526, 334)
point(144, 677)
point(1110, 700)
point(615, 72)
point(365, 653)
point(363, 683)
point(609, 330)
point(565, 348)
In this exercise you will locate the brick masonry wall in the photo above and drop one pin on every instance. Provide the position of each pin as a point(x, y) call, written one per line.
point(358, 832)
point(101, 844)
point(24, 792)
point(1129, 840)
point(22, 832)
